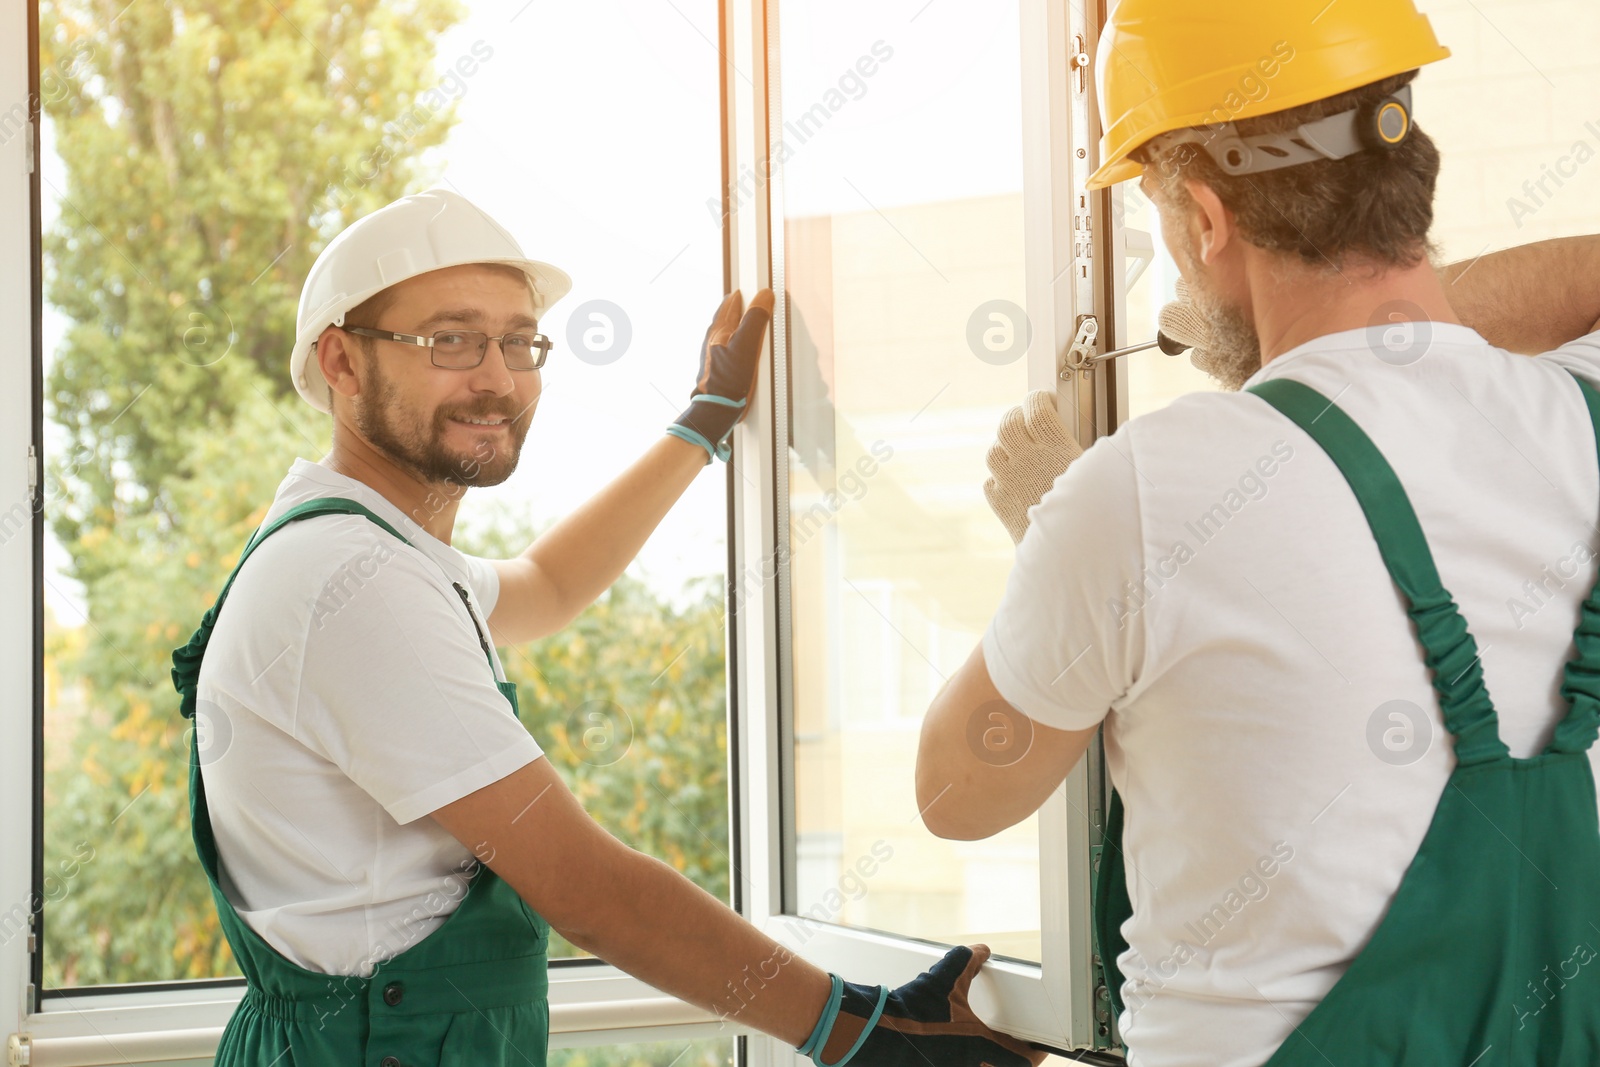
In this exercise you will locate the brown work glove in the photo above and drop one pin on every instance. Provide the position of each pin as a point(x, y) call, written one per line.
point(1033, 449)
point(927, 1022)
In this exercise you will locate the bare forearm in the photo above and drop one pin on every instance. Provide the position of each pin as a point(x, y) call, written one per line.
point(1531, 298)
point(981, 764)
point(585, 552)
point(959, 795)
point(691, 945)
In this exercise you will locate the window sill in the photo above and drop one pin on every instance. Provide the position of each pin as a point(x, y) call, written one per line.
point(599, 1005)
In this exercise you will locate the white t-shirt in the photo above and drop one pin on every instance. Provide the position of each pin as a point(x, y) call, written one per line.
point(1206, 576)
point(345, 696)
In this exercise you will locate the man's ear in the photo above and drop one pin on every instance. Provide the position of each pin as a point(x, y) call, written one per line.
point(1213, 223)
point(337, 362)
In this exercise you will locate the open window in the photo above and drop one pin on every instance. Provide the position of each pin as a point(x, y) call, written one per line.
point(908, 176)
point(931, 260)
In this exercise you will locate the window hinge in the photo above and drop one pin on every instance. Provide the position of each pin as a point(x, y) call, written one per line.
point(1080, 62)
point(1081, 357)
point(19, 1050)
point(33, 476)
point(1080, 354)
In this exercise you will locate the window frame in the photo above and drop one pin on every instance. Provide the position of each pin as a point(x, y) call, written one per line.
point(1056, 1002)
point(22, 558)
point(591, 1002)
point(1068, 234)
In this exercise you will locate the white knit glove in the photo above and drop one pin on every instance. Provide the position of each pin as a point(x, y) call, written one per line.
point(1033, 449)
point(1034, 446)
point(1182, 321)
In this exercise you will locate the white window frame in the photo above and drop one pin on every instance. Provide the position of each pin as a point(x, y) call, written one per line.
point(18, 637)
point(1055, 1002)
point(590, 1003)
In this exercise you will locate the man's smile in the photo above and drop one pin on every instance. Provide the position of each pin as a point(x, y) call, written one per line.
point(487, 422)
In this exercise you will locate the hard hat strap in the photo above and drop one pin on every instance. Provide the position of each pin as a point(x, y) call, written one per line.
point(1378, 127)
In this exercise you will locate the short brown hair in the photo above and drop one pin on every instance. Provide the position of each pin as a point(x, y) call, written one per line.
point(367, 313)
point(370, 310)
point(1376, 206)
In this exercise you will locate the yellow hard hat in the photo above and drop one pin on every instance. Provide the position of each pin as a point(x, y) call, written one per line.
point(1166, 65)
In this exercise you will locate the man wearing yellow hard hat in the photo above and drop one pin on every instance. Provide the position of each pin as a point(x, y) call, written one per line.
point(1340, 623)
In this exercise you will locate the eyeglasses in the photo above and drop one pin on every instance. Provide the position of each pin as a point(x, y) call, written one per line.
point(464, 349)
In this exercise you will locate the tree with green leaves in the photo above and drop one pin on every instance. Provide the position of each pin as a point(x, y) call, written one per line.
point(629, 704)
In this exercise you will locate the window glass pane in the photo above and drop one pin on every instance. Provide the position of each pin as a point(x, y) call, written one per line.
point(707, 1052)
point(192, 171)
point(903, 257)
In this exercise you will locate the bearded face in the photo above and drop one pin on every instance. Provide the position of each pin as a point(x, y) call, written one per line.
point(1235, 352)
point(1232, 352)
point(440, 448)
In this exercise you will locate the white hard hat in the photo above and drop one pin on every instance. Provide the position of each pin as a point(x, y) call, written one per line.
point(415, 234)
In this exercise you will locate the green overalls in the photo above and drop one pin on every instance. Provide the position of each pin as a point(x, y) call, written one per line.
point(471, 992)
point(1487, 954)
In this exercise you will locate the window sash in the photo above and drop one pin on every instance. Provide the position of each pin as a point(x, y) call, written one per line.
point(1054, 1001)
point(21, 557)
point(1051, 1002)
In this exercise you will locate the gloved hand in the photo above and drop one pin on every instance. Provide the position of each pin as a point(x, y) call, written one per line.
point(730, 359)
point(925, 1023)
point(1182, 321)
point(1034, 446)
point(1033, 450)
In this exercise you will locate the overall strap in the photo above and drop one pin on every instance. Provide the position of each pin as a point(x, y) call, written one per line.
point(1450, 652)
point(1580, 681)
point(323, 505)
point(186, 660)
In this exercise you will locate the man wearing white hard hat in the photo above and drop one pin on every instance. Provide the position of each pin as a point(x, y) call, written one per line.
point(386, 845)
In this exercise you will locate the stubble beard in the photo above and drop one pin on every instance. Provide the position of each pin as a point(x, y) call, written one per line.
point(420, 450)
point(1234, 353)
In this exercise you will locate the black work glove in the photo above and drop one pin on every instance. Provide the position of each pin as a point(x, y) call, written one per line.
point(730, 359)
point(925, 1023)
